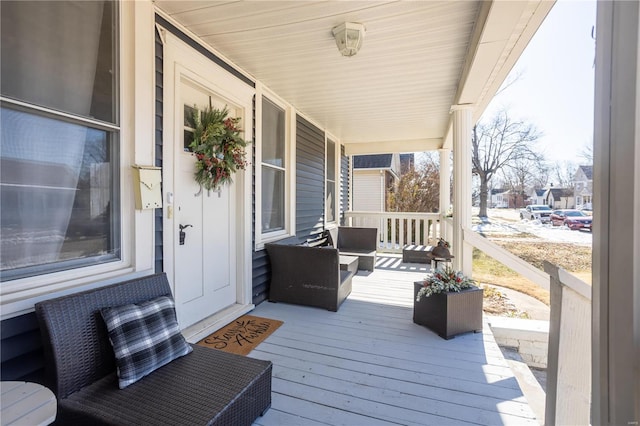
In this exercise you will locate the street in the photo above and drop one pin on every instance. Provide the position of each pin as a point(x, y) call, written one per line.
point(507, 222)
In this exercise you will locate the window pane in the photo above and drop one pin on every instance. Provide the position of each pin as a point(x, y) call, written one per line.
point(188, 138)
point(272, 199)
point(57, 184)
point(331, 201)
point(188, 113)
point(331, 160)
point(273, 134)
point(60, 55)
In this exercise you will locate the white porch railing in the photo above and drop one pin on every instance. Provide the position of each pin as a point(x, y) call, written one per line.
point(569, 357)
point(507, 258)
point(395, 230)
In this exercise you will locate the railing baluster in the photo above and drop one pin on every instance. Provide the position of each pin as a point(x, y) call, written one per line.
point(393, 232)
point(385, 230)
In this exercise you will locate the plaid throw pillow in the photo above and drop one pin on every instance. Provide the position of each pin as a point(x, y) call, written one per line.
point(144, 337)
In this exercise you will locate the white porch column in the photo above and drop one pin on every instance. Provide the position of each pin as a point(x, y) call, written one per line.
point(462, 128)
point(616, 217)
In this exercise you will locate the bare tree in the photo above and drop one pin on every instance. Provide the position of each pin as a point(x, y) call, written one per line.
point(497, 144)
point(419, 189)
point(563, 173)
point(521, 174)
point(541, 175)
point(587, 153)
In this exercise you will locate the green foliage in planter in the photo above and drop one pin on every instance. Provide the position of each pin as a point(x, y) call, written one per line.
point(444, 280)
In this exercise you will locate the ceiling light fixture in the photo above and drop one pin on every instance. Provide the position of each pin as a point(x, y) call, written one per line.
point(349, 36)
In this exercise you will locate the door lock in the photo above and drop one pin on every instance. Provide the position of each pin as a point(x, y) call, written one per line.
point(182, 234)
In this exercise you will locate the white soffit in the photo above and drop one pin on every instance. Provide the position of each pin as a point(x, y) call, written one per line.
point(399, 89)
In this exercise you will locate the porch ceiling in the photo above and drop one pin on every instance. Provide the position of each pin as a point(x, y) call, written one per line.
point(395, 95)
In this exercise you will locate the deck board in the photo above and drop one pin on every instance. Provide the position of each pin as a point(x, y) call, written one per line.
point(369, 364)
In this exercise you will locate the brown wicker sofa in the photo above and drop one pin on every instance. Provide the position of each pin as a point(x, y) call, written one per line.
point(204, 387)
point(306, 275)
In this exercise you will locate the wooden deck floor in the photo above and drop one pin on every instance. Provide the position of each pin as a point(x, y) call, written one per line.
point(369, 364)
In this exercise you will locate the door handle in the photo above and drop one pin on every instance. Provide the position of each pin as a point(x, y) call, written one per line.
point(183, 234)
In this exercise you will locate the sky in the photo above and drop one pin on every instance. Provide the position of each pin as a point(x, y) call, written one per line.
point(555, 87)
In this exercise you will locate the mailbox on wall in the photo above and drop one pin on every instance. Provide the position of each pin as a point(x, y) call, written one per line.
point(146, 184)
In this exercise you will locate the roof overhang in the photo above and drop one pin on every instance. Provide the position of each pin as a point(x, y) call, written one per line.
point(419, 59)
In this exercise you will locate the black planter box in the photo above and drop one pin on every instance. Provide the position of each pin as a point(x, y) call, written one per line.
point(449, 314)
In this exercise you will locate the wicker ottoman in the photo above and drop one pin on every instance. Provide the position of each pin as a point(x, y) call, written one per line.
point(416, 254)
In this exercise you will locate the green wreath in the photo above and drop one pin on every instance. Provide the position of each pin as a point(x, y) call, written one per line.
point(218, 147)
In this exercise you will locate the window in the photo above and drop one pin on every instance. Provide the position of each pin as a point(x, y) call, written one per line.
point(330, 195)
point(273, 168)
point(59, 154)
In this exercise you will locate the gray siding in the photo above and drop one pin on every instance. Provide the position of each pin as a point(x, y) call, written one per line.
point(159, 55)
point(344, 185)
point(309, 179)
point(22, 356)
point(260, 271)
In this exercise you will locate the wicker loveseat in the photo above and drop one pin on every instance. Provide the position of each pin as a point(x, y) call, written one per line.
point(306, 275)
point(204, 387)
point(354, 241)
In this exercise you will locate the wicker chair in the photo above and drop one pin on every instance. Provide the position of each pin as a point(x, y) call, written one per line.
point(205, 387)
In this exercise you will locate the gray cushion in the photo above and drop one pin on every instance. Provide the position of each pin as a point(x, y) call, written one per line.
point(144, 337)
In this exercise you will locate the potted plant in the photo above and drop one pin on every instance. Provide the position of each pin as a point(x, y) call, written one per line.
point(218, 147)
point(448, 303)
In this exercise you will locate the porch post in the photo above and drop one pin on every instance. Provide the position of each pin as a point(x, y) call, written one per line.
point(462, 128)
point(616, 217)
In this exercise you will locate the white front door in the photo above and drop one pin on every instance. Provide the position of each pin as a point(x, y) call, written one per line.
point(204, 256)
point(202, 263)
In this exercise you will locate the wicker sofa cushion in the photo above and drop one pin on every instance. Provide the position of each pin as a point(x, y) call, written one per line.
point(144, 337)
point(206, 387)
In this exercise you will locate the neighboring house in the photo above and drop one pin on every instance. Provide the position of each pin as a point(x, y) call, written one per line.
point(373, 177)
point(499, 198)
point(505, 199)
point(90, 89)
point(536, 196)
point(559, 198)
point(583, 187)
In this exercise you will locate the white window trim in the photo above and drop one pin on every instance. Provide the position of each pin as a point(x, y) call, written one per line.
point(136, 99)
point(337, 180)
point(290, 191)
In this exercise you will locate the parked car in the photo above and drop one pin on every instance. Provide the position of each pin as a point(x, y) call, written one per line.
point(536, 211)
point(573, 219)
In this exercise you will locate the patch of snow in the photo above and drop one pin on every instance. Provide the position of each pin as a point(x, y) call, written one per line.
point(508, 222)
